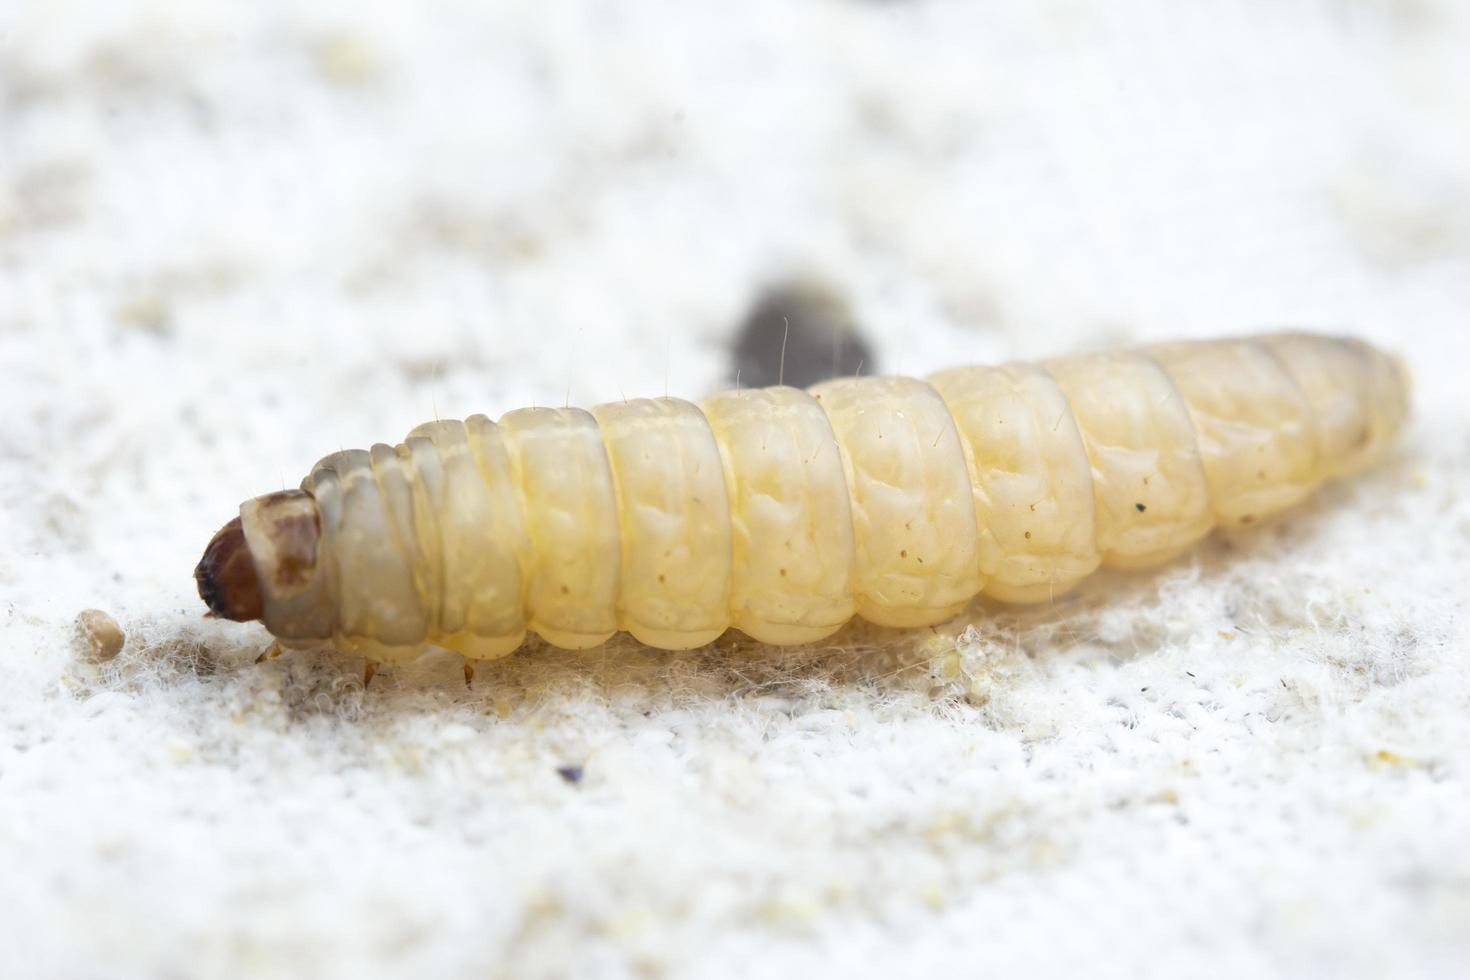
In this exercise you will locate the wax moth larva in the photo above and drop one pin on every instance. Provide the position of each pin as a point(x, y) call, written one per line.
point(783, 513)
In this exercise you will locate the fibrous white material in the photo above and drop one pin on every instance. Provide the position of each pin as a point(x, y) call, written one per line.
point(235, 237)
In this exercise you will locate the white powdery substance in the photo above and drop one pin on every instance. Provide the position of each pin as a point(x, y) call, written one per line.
point(233, 239)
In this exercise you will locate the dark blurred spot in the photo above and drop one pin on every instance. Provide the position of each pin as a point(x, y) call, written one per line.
point(820, 337)
point(571, 774)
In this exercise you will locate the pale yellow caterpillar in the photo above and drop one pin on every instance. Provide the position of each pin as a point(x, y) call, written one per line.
point(783, 513)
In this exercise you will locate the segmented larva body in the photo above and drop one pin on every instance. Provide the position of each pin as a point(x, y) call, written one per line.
point(784, 513)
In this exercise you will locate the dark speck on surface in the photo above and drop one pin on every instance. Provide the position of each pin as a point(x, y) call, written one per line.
point(820, 335)
point(571, 774)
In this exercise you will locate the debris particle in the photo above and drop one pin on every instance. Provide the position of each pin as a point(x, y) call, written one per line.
point(347, 61)
point(811, 325)
point(572, 775)
point(148, 312)
point(97, 636)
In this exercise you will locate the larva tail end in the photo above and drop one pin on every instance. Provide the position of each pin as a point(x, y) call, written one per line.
point(226, 576)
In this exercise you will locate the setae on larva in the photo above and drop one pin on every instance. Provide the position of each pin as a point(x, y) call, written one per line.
point(783, 513)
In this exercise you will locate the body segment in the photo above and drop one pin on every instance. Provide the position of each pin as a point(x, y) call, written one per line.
point(674, 521)
point(792, 551)
point(565, 489)
point(784, 513)
point(1031, 479)
point(1150, 501)
point(913, 519)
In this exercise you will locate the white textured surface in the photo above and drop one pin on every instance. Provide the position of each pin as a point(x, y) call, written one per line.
point(233, 239)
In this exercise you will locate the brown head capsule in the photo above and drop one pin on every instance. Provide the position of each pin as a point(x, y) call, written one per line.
point(263, 565)
point(226, 576)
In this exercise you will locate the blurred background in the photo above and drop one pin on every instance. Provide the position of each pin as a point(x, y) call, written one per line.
point(495, 204)
point(236, 237)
